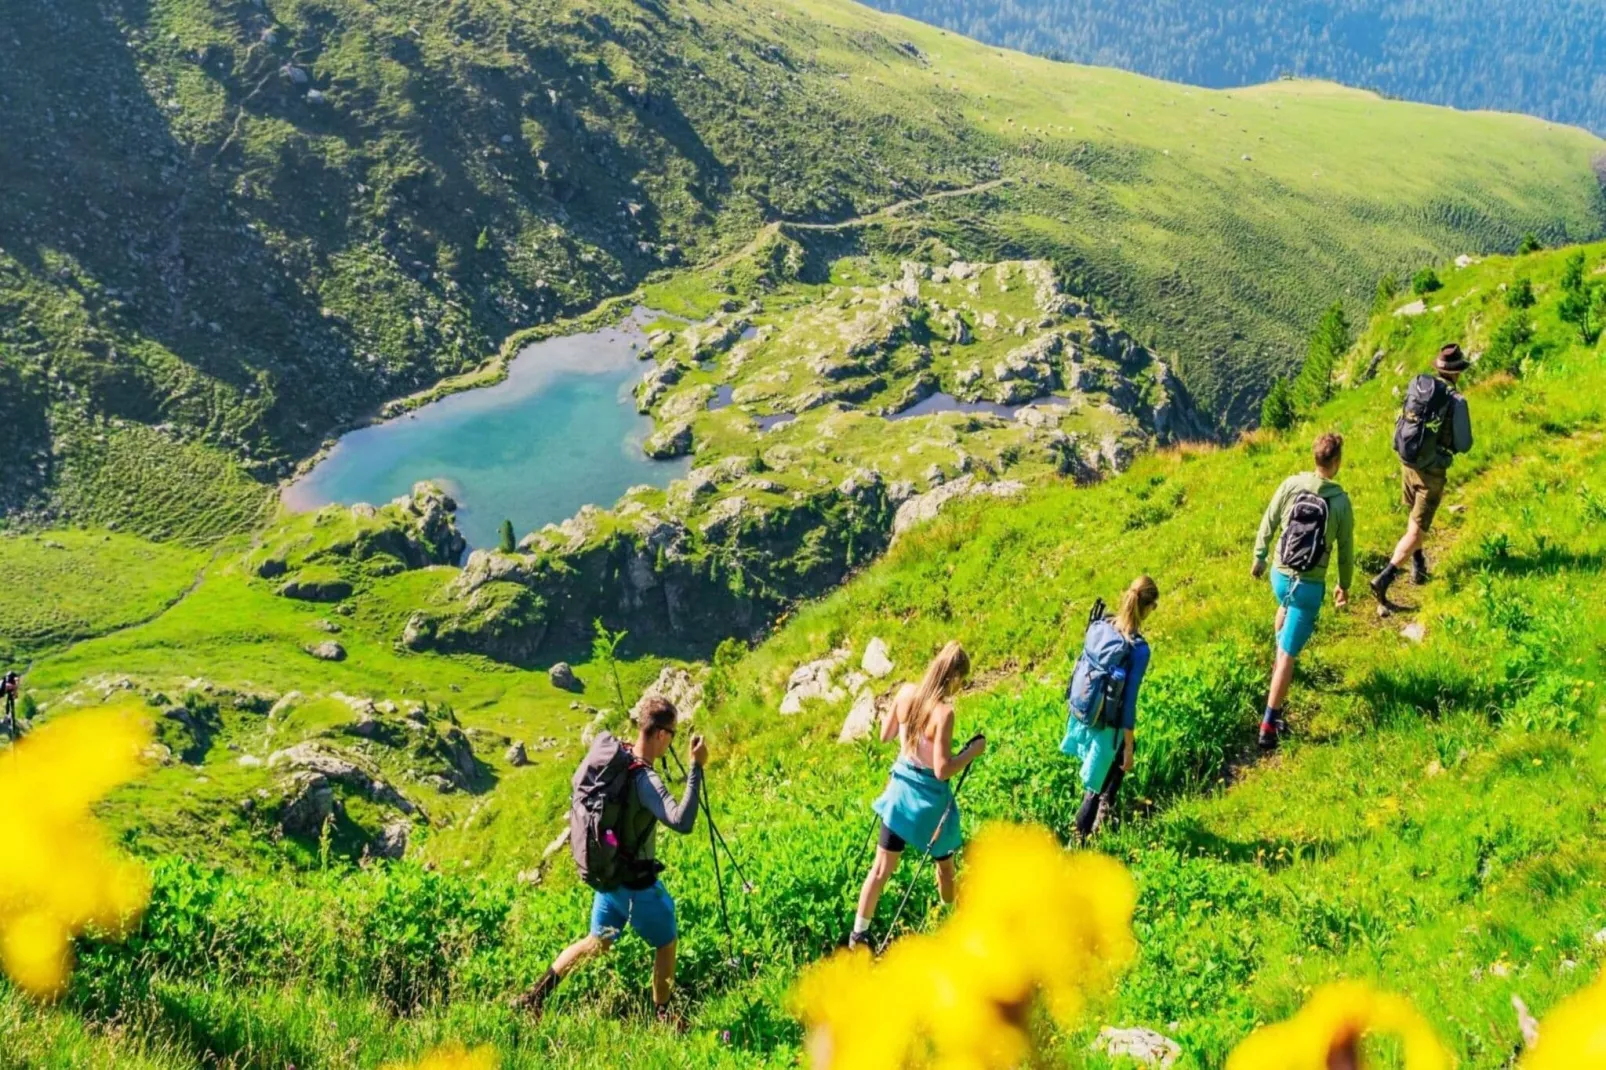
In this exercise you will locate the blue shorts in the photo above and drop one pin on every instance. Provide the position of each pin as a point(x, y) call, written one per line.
point(1303, 599)
point(650, 912)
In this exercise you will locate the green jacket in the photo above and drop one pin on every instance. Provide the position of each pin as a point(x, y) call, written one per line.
point(1340, 526)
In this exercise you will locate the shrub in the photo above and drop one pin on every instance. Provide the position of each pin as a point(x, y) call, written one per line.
point(1425, 282)
point(1520, 295)
point(1388, 287)
point(1530, 244)
point(508, 543)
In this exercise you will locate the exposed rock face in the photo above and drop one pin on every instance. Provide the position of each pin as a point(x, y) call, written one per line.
point(315, 587)
point(861, 718)
point(309, 801)
point(924, 507)
point(336, 766)
point(675, 441)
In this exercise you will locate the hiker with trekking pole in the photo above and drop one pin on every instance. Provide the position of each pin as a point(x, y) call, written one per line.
point(918, 806)
point(1102, 701)
point(618, 803)
point(9, 688)
point(1433, 426)
point(1315, 517)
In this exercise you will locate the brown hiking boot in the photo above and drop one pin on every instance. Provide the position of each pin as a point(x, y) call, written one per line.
point(534, 1001)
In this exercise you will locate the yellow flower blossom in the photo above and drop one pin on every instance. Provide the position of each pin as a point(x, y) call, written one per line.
point(1032, 923)
point(1573, 1036)
point(58, 875)
point(1328, 1030)
point(451, 1057)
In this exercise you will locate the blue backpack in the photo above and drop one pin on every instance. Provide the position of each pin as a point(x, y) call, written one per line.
point(1098, 682)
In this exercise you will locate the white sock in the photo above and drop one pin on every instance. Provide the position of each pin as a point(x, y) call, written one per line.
point(861, 924)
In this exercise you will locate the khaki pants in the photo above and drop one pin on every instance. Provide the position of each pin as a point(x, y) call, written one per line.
point(1422, 490)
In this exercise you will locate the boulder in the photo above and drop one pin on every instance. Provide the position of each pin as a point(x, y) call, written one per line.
point(517, 756)
point(860, 719)
point(563, 678)
point(875, 663)
point(340, 767)
point(1144, 1046)
point(328, 650)
point(392, 839)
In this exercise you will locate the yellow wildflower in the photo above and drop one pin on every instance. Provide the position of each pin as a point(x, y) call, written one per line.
point(58, 875)
point(1032, 922)
point(1328, 1030)
point(452, 1057)
point(1573, 1036)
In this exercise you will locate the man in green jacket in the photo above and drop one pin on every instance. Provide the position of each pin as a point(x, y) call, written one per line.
point(1315, 517)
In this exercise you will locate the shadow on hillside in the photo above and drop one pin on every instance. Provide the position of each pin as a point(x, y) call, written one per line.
point(1549, 560)
point(1424, 689)
point(1271, 853)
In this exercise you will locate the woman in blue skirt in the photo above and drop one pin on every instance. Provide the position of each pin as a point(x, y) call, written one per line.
point(918, 805)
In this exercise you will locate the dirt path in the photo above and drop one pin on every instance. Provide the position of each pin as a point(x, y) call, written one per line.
point(770, 230)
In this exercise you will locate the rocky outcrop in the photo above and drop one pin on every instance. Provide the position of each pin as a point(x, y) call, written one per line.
point(876, 662)
point(391, 843)
point(924, 507)
point(339, 767)
point(673, 441)
point(316, 585)
point(328, 650)
point(517, 756)
point(812, 682)
point(1144, 1046)
point(683, 690)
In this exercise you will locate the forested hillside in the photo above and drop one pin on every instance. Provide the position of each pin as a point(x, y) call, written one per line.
point(1542, 58)
point(228, 229)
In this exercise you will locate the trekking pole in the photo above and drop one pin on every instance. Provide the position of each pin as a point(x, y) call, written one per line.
point(926, 852)
point(708, 813)
point(714, 841)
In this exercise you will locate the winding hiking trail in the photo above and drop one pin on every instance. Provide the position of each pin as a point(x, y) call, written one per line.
point(770, 230)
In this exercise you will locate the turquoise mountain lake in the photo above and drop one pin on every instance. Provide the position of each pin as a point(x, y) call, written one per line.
point(561, 431)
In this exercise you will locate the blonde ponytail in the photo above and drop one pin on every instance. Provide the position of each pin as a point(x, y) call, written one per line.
point(949, 665)
point(1140, 598)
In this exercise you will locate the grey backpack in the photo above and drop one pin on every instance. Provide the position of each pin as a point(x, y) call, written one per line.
point(1098, 683)
point(600, 811)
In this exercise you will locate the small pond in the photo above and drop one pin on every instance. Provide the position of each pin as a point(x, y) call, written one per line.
point(561, 431)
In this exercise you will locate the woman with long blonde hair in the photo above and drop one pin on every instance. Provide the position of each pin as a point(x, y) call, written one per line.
point(1102, 701)
point(918, 805)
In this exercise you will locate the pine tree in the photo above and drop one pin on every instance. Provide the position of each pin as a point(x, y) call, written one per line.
point(1277, 411)
point(1328, 344)
point(1425, 282)
point(1520, 295)
point(1388, 287)
point(509, 544)
point(1530, 244)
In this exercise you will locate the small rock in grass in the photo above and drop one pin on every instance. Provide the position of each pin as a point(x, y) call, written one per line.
point(1416, 631)
point(517, 756)
point(875, 662)
point(1144, 1046)
point(327, 651)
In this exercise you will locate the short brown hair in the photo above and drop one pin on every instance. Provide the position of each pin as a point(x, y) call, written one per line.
point(656, 714)
point(1329, 448)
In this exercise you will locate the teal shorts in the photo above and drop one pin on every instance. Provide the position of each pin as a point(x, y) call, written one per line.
point(649, 911)
point(1303, 599)
point(1096, 747)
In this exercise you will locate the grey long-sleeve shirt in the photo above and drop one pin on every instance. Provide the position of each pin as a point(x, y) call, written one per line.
point(656, 800)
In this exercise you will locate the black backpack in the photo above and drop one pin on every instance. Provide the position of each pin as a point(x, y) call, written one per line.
point(603, 837)
point(1427, 403)
point(1304, 541)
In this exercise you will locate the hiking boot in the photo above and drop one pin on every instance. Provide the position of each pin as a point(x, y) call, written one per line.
point(860, 940)
point(664, 1014)
point(1272, 733)
point(1419, 569)
point(534, 1001)
point(1380, 591)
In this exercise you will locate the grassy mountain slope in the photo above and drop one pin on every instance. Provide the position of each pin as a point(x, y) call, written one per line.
point(245, 225)
point(1502, 55)
point(1434, 826)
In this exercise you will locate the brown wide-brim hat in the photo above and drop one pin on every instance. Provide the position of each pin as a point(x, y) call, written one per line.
point(1450, 361)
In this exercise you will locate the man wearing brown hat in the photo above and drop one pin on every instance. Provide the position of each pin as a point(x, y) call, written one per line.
point(1433, 427)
